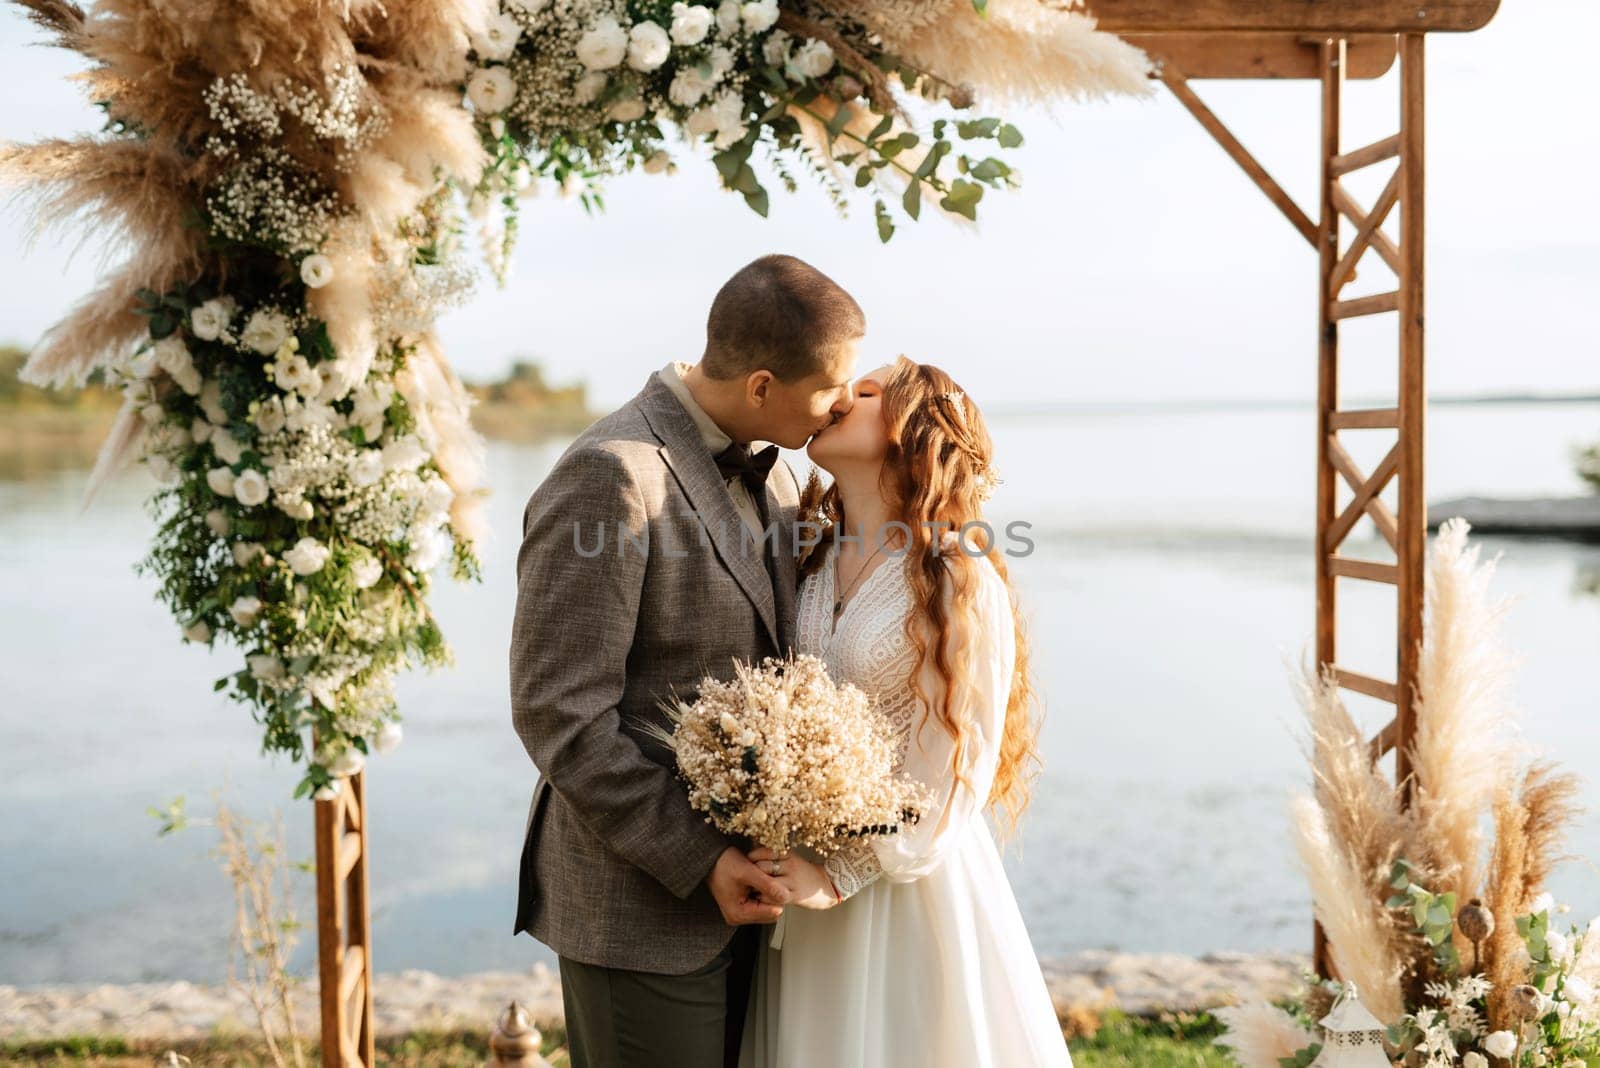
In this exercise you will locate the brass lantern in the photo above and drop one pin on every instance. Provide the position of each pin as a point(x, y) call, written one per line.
point(1352, 1036)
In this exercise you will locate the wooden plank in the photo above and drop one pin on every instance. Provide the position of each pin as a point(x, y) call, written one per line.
point(360, 925)
point(1355, 213)
point(330, 936)
point(1352, 680)
point(1303, 16)
point(349, 853)
point(350, 973)
point(1413, 517)
point(1366, 496)
point(1368, 226)
point(1376, 152)
point(1365, 419)
point(1370, 570)
point(1264, 55)
point(1376, 304)
point(1174, 79)
point(1384, 740)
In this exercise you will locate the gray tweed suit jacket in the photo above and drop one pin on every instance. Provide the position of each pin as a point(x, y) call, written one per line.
point(614, 860)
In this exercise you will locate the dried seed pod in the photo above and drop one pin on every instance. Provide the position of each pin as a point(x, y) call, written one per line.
point(1526, 1002)
point(1475, 921)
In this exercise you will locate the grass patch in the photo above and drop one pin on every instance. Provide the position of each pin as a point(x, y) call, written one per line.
point(1171, 1040)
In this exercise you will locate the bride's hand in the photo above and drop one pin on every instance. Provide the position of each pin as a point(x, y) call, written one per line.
point(808, 883)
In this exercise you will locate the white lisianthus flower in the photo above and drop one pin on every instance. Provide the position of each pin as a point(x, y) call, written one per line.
point(721, 62)
point(1578, 989)
point(306, 415)
point(269, 415)
point(208, 321)
point(1501, 1044)
point(188, 379)
point(657, 162)
point(217, 522)
point(491, 90)
point(200, 429)
point(211, 405)
point(328, 792)
point(265, 667)
point(198, 631)
point(220, 479)
point(298, 509)
point(307, 556)
point(604, 45)
point(728, 18)
point(250, 488)
point(227, 448)
point(388, 737)
point(1543, 903)
point(368, 468)
point(246, 551)
point(626, 110)
point(338, 376)
point(499, 37)
point(437, 495)
point(1559, 945)
point(813, 59)
point(172, 355)
point(347, 763)
point(700, 122)
point(758, 16)
point(265, 332)
point(689, 86)
point(366, 572)
point(427, 549)
point(648, 46)
point(590, 86)
point(164, 470)
point(1474, 1059)
point(294, 374)
point(404, 453)
point(316, 270)
point(245, 610)
point(152, 413)
point(691, 23)
point(775, 49)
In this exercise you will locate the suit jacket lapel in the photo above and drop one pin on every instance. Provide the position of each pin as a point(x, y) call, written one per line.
point(696, 471)
point(783, 515)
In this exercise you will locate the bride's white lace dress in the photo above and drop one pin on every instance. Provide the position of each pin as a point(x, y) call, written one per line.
point(927, 963)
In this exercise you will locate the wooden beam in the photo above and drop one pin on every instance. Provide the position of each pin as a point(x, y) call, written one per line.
point(1351, 680)
point(1263, 55)
point(1366, 497)
point(1365, 419)
point(1341, 17)
point(1376, 152)
point(1345, 269)
point(1376, 304)
point(1357, 214)
point(1364, 569)
point(1383, 741)
point(1174, 79)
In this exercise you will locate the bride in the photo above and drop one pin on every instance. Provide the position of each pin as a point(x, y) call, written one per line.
point(909, 949)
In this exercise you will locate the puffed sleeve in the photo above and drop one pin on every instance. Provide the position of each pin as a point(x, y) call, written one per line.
point(980, 702)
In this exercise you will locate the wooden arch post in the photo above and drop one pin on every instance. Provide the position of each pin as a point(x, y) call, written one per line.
point(1332, 40)
point(344, 931)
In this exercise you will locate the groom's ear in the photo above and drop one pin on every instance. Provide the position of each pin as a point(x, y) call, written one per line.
point(758, 388)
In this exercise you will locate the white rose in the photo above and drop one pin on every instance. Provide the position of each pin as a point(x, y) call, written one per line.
point(307, 556)
point(388, 737)
point(727, 111)
point(220, 479)
point(328, 792)
point(245, 610)
point(758, 16)
point(151, 413)
point(648, 46)
point(491, 90)
point(294, 374)
point(1543, 903)
point(211, 404)
point(188, 379)
point(499, 37)
point(1577, 989)
point(337, 378)
point(172, 355)
point(198, 631)
point(728, 17)
point(227, 448)
point(164, 470)
point(347, 763)
point(265, 667)
point(437, 495)
point(590, 86)
point(209, 320)
point(1474, 1059)
point(626, 110)
point(688, 87)
point(266, 332)
point(1559, 945)
point(700, 122)
point(368, 468)
point(775, 49)
point(366, 572)
point(427, 549)
point(299, 509)
point(217, 521)
point(604, 45)
point(316, 270)
point(306, 415)
point(200, 429)
point(691, 23)
point(250, 488)
point(269, 415)
point(813, 59)
point(1501, 1044)
point(657, 162)
point(246, 551)
point(403, 454)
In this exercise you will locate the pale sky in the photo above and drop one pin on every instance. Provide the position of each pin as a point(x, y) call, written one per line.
point(1137, 261)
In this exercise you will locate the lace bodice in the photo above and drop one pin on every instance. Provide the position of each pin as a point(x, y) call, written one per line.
point(868, 648)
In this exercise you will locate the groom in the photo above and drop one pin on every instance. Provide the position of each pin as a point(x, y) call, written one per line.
point(659, 550)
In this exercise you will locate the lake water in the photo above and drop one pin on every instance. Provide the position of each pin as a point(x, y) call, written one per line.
point(1169, 589)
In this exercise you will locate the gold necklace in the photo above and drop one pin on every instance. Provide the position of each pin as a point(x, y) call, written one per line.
point(838, 603)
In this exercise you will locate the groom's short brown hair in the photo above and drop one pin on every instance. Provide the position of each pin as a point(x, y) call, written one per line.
point(780, 314)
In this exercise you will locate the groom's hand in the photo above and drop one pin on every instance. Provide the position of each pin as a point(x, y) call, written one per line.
point(744, 892)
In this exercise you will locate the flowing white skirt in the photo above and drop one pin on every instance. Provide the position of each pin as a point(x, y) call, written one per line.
point(933, 973)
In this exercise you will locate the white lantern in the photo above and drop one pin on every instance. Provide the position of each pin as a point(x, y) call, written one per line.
point(1352, 1036)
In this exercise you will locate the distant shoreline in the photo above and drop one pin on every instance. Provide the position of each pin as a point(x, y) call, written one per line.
point(1266, 404)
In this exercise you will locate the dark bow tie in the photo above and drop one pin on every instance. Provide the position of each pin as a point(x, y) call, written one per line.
point(737, 461)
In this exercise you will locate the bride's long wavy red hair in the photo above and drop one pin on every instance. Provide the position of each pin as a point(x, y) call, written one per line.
point(938, 445)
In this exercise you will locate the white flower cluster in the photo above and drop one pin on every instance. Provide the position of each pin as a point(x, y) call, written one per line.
point(267, 198)
point(785, 755)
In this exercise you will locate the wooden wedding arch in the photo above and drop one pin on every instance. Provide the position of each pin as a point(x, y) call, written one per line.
point(1326, 40)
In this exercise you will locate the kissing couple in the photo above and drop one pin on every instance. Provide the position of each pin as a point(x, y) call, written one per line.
point(902, 950)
